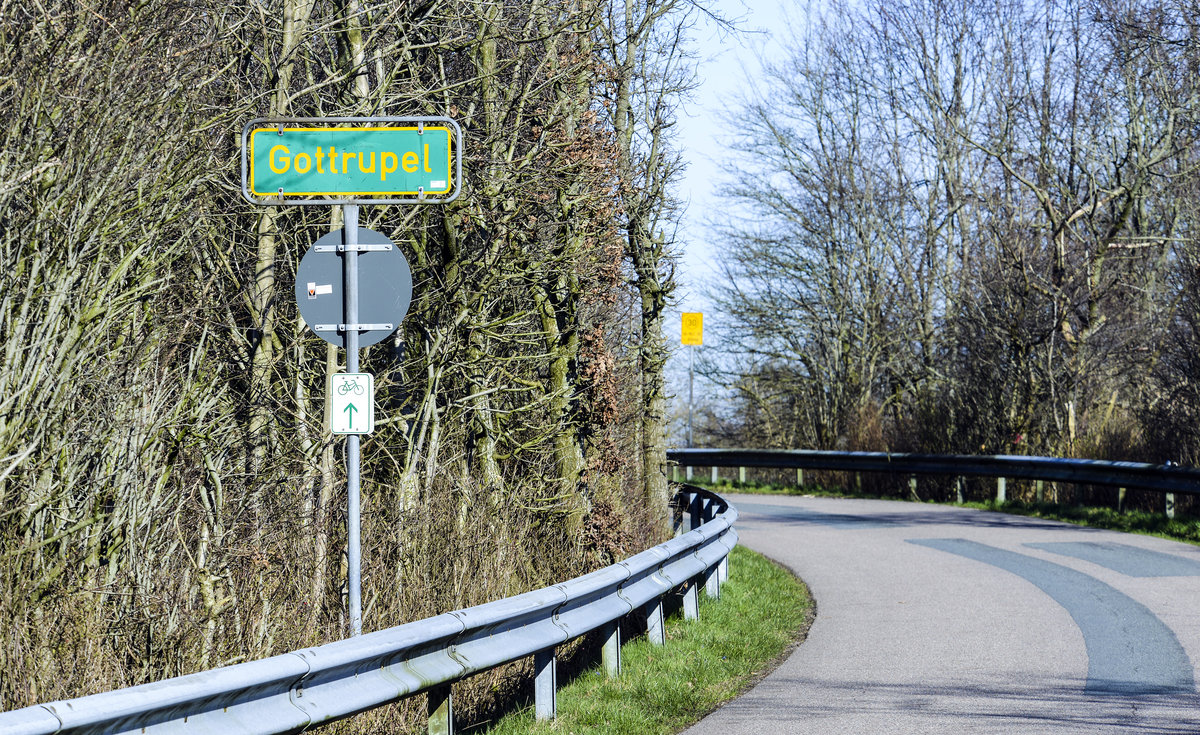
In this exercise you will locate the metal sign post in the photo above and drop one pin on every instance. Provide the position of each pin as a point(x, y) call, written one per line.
point(691, 335)
point(353, 463)
point(384, 160)
point(691, 378)
point(353, 306)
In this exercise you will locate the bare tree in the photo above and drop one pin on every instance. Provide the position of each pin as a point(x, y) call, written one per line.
point(644, 45)
point(962, 220)
point(172, 497)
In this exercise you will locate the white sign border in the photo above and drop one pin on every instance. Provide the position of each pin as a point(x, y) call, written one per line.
point(333, 409)
point(260, 122)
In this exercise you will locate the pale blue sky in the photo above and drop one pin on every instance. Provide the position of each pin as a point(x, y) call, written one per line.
point(728, 62)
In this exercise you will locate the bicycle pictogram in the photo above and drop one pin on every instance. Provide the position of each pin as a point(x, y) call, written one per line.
point(350, 385)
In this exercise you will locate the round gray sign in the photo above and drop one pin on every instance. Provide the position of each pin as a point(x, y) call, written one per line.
point(384, 287)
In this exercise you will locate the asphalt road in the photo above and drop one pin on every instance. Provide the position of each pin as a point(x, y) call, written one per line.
point(935, 619)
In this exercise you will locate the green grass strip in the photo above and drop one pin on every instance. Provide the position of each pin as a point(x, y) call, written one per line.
point(662, 689)
point(1180, 528)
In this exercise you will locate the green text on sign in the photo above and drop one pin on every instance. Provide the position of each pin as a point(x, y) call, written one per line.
point(375, 161)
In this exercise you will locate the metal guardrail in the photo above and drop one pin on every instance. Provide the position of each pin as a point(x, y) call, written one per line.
point(1164, 478)
point(306, 688)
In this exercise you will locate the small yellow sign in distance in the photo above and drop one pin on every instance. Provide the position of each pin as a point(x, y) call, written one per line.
point(693, 328)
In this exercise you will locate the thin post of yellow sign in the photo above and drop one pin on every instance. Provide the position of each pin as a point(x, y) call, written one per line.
point(693, 329)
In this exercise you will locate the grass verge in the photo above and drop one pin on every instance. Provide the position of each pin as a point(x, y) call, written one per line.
point(1180, 528)
point(762, 612)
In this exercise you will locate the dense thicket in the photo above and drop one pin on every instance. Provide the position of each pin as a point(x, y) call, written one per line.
point(169, 496)
point(970, 227)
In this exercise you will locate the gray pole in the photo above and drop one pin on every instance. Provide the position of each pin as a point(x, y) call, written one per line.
point(691, 357)
point(353, 541)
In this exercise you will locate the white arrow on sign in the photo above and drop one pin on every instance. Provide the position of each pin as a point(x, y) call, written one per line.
point(350, 403)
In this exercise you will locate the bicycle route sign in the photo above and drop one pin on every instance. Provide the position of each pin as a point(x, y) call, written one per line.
point(351, 403)
point(384, 280)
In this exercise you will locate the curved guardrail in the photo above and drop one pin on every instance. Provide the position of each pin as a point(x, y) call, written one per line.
point(302, 689)
point(1165, 478)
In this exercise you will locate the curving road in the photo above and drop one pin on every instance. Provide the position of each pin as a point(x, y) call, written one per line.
point(936, 619)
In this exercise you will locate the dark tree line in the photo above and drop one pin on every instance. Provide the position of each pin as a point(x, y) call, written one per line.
point(170, 499)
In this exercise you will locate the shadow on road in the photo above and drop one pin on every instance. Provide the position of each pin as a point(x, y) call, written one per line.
point(1025, 704)
point(868, 519)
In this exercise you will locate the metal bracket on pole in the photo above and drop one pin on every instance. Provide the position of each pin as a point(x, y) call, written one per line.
point(357, 248)
point(352, 327)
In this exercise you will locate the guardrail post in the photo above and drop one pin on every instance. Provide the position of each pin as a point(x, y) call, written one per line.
point(1169, 505)
point(688, 473)
point(799, 477)
point(656, 631)
point(545, 685)
point(1041, 491)
point(958, 491)
point(1001, 490)
point(912, 486)
point(712, 582)
point(716, 476)
point(691, 601)
point(1120, 500)
point(723, 570)
point(742, 475)
point(610, 653)
point(441, 711)
point(675, 473)
point(712, 575)
point(681, 512)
